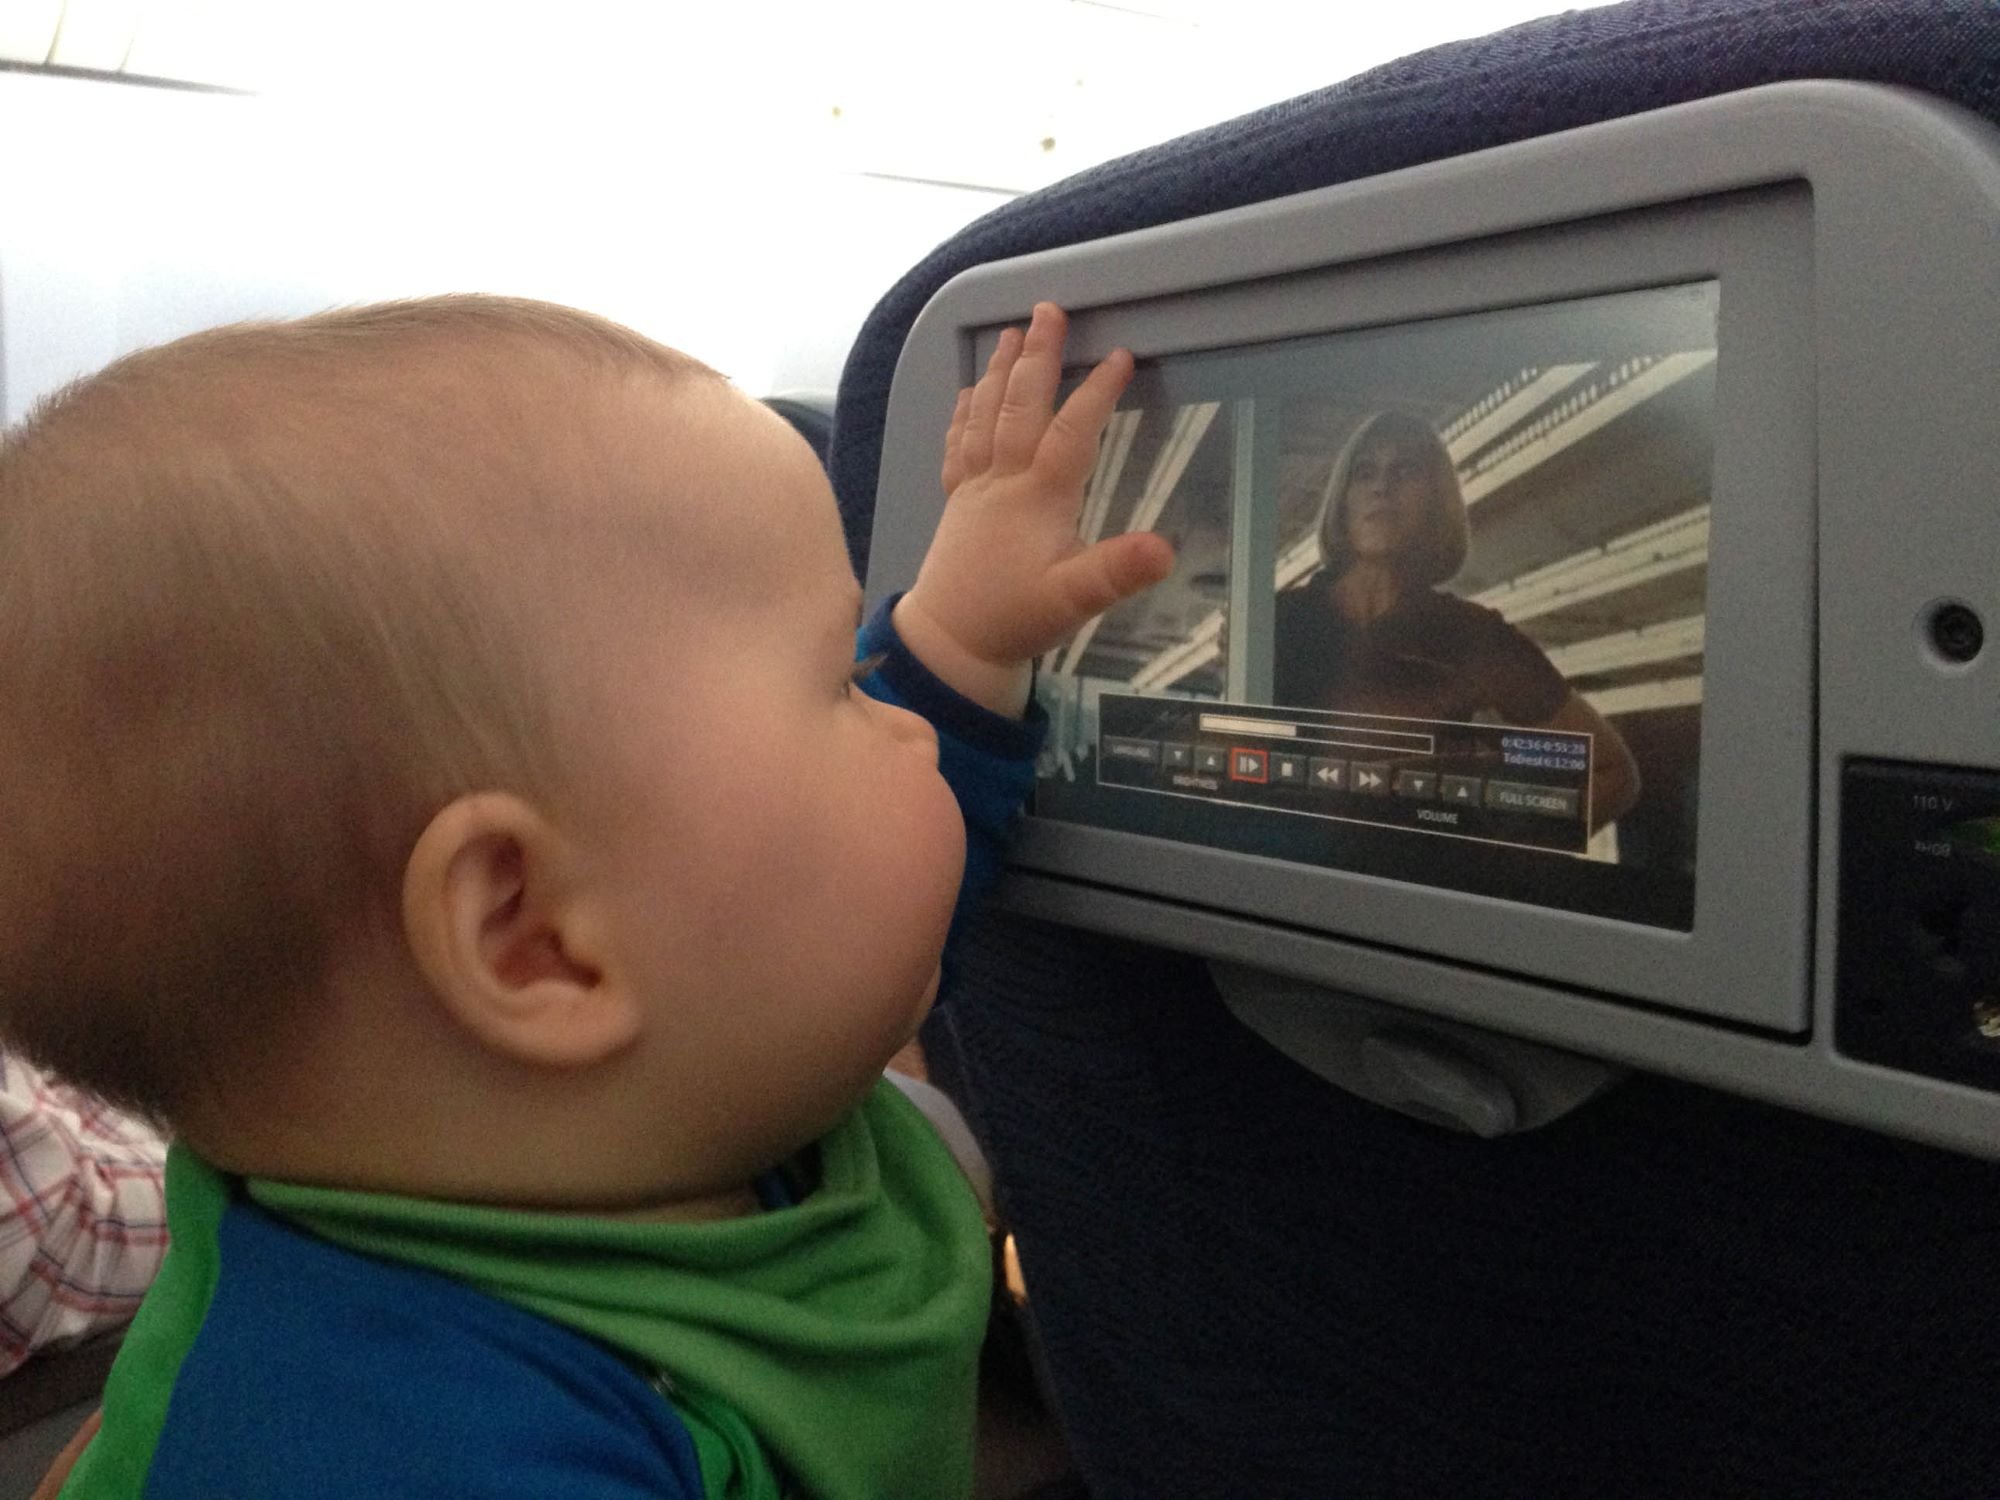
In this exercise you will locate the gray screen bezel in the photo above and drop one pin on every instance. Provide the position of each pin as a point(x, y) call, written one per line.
point(1746, 957)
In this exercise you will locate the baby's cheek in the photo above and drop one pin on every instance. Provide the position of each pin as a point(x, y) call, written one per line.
point(930, 857)
point(948, 838)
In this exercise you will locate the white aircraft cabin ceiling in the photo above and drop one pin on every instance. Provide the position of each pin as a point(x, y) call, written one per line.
point(1004, 96)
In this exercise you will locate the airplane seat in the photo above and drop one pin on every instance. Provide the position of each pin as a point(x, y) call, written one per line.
point(1247, 1282)
point(44, 1402)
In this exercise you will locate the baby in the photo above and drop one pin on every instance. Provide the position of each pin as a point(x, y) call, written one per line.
point(442, 783)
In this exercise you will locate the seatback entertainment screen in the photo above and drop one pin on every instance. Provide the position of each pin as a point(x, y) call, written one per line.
point(1438, 611)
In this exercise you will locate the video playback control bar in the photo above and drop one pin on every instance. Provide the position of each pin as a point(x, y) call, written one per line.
point(1511, 785)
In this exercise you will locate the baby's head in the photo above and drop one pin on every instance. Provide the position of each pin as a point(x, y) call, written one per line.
point(431, 762)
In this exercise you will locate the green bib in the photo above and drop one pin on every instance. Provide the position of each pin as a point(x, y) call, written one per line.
point(828, 1350)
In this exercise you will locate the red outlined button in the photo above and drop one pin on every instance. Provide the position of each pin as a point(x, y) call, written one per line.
point(1249, 765)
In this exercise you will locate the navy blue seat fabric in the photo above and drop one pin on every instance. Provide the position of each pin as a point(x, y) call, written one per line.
point(1249, 1284)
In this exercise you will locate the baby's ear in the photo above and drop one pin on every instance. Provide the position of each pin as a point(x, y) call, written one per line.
point(497, 925)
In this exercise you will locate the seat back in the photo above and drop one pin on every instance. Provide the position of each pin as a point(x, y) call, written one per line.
point(1249, 1283)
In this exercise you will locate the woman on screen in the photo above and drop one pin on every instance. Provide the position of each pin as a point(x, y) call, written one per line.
point(1374, 632)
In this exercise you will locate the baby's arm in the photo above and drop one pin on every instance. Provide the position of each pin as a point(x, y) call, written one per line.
point(1007, 578)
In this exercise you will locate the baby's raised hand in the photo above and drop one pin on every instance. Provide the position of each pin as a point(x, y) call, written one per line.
point(1006, 577)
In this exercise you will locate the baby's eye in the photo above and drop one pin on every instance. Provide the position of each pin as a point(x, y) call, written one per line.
point(866, 668)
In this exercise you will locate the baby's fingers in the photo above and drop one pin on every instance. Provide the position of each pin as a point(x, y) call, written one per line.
point(954, 441)
point(1100, 576)
point(976, 446)
point(1031, 390)
point(1069, 448)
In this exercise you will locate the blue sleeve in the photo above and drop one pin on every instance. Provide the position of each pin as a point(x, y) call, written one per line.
point(988, 759)
point(325, 1373)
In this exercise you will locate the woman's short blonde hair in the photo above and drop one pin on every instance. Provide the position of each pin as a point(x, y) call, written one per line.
point(1442, 543)
point(261, 605)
